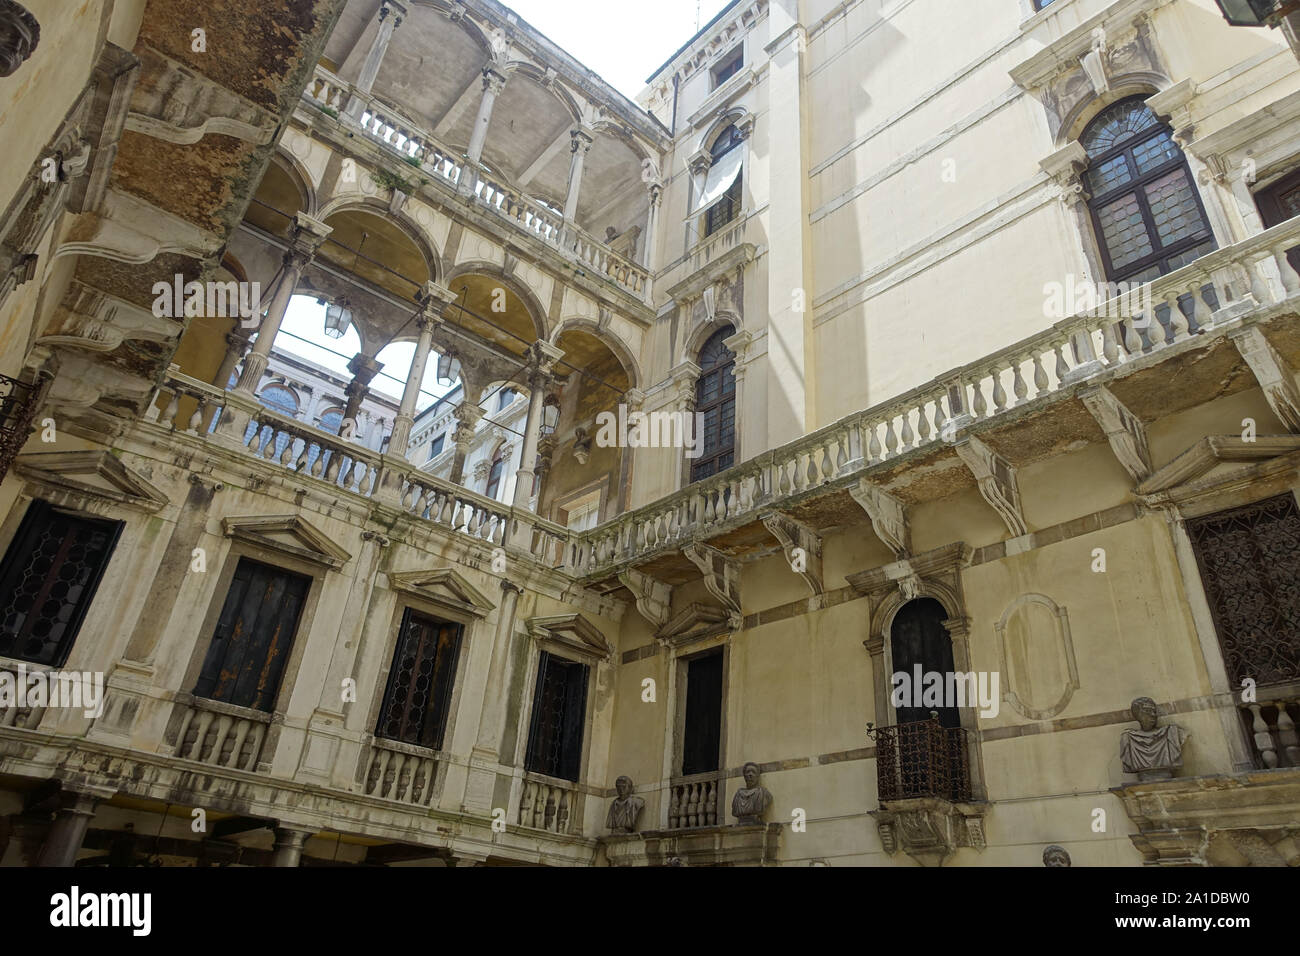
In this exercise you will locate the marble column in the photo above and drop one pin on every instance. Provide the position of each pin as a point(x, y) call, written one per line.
point(306, 237)
point(542, 359)
point(493, 84)
point(486, 753)
point(289, 842)
point(651, 234)
point(391, 13)
point(71, 821)
point(579, 145)
point(434, 299)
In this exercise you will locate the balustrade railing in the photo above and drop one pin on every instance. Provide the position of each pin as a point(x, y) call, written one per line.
point(222, 735)
point(401, 772)
point(694, 801)
point(386, 125)
point(12, 715)
point(455, 509)
point(171, 410)
point(1125, 329)
point(548, 805)
point(1272, 728)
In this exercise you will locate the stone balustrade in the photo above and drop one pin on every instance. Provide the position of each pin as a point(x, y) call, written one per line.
point(1166, 312)
point(455, 509)
point(21, 718)
point(694, 801)
point(167, 410)
point(222, 735)
point(386, 125)
point(401, 772)
point(547, 804)
point(1272, 726)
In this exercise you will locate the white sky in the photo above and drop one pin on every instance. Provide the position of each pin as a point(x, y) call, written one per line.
point(617, 38)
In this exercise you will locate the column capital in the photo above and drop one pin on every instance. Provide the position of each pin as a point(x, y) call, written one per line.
point(364, 368)
point(434, 300)
point(493, 81)
point(305, 238)
point(1066, 167)
point(236, 344)
point(395, 7)
point(542, 357)
point(581, 138)
point(509, 587)
point(700, 161)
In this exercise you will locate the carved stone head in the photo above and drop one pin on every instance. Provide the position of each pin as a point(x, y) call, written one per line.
point(624, 787)
point(1145, 713)
point(19, 35)
point(1055, 856)
point(751, 774)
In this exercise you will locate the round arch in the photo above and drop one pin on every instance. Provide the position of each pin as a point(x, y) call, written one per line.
point(292, 167)
point(518, 68)
point(738, 116)
point(705, 330)
point(616, 345)
point(370, 205)
point(1121, 88)
point(532, 305)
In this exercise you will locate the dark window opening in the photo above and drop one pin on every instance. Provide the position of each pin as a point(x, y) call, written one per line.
point(49, 576)
point(1250, 566)
point(436, 448)
point(494, 476)
point(715, 407)
point(559, 715)
point(725, 210)
point(418, 698)
point(729, 67)
point(1278, 202)
point(245, 661)
point(702, 736)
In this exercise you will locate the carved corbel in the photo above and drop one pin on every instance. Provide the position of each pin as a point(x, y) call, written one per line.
point(997, 482)
point(653, 597)
point(1066, 167)
point(1124, 431)
point(178, 106)
point(1273, 374)
point(888, 516)
point(1094, 62)
point(802, 546)
point(721, 576)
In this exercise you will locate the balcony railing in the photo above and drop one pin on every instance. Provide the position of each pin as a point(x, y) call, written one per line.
point(1251, 274)
point(401, 772)
point(694, 801)
point(1272, 727)
point(222, 735)
point(22, 718)
point(18, 405)
point(922, 759)
point(548, 804)
point(387, 126)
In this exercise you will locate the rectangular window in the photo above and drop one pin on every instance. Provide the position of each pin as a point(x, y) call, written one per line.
point(583, 514)
point(507, 397)
point(702, 736)
point(559, 714)
point(245, 660)
point(725, 210)
point(1250, 565)
point(1278, 202)
point(436, 448)
point(48, 579)
point(728, 67)
point(418, 697)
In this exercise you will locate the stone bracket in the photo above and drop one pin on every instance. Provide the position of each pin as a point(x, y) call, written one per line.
point(997, 482)
point(653, 598)
point(929, 829)
point(1124, 431)
point(798, 537)
point(888, 516)
point(721, 574)
point(1273, 374)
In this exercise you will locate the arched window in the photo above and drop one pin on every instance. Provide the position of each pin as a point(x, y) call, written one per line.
point(715, 400)
point(1145, 208)
point(723, 187)
point(498, 469)
point(918, 637)
point(332, 421)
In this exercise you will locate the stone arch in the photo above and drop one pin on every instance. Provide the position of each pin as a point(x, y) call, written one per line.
point(693, 342)
point(292, 167)
point(616, 345)
point(1121, 87)
point(556, 88)
point(737, 116)
point(533, 305)
point(433, 261)
point(882, 618)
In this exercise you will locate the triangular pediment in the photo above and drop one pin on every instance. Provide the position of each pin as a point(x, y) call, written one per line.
point(571, 632)
point(289, 534)
point(443, 587)
point(696, 622)
point(1211, 459)
point(96, 474)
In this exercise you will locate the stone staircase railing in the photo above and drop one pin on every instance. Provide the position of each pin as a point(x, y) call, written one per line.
point(1166, 312)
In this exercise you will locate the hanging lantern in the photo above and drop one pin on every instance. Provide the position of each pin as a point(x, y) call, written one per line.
point(550, 415)
point(1254, 13)
point(338, 319)
point(448, 369)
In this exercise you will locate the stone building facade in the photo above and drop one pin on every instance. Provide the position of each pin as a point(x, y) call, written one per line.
point(984, 315)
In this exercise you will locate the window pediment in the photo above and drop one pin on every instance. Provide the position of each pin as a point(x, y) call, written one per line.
point(93, 474)
point(288, 534)
point(695, 622)
point(572, 633)
point(445, 588)
point(1212, 473)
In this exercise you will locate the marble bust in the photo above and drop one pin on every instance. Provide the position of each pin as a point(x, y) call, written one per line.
point(625, 809)
point(19, 36)
point(1151, 752)
point(750, 803)
point(1055, 856)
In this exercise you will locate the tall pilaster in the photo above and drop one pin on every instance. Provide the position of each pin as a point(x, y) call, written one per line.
point(486, 754)
point(541, 361)
point(651, 237)
point(791, 397)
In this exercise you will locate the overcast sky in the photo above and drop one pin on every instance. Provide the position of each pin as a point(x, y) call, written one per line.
point(622, 40)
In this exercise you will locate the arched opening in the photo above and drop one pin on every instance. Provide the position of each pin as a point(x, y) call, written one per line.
point(921, 646)
point(1146, 211)
point(715, 406)
point(496, 472)
point(723, 191)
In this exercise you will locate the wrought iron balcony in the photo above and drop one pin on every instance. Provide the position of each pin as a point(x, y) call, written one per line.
point(18, 404)
point(922, 759)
